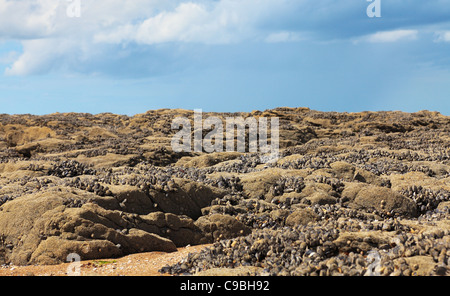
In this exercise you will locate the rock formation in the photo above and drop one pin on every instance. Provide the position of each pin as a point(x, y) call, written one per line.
point(347, 187)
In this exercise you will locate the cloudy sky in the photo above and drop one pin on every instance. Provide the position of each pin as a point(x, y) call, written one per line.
point(129, 56)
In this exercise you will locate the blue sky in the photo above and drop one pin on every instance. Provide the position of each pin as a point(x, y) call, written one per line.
point(130, 56)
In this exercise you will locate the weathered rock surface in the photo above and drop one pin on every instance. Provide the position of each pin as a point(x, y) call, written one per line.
point(352, 193)
point(219, 226)
point(385, 200)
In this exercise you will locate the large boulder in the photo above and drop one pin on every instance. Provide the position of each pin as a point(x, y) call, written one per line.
point(301, 217)
point(384, 200)
point(21, 225)
point(129, 199)
point(181, 230)
point(41, 229)
point(221, 226)
point(350, 173)
point(55, 250)
point(186, 198)
point(259, 184)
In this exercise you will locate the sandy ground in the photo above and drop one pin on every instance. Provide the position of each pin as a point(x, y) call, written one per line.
point(141, 264)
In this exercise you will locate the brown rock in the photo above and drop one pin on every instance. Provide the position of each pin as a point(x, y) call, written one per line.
point(218, 226)
point(301, 216)
point(371, 197)
point(188, 200)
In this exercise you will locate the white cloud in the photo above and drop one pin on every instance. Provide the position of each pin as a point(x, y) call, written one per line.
point(185, 23)
point(188, 22)
point(9, 57)
point(392, 36)
point(28, 19)
point(443, 36)
point(44, 55)
point(38, 56)
point(52, 40)
point(283, 36)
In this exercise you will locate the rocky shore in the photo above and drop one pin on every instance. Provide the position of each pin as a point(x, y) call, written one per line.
point(351, 194)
